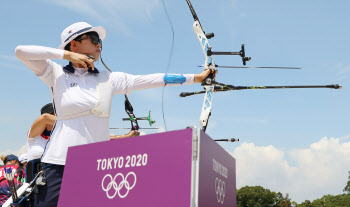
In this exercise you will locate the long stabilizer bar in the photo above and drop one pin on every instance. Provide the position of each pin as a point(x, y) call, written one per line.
point(225, 87)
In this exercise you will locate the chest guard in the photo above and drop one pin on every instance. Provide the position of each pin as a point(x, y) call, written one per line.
point(104, 91)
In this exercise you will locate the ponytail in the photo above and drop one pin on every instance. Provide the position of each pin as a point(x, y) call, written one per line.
point(3, 158)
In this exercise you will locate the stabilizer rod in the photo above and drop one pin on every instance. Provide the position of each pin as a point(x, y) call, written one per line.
point(224, 87)
point(265, 67)
point(227, 140)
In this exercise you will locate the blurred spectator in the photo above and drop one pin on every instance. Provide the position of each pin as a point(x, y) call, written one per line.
point(13, 162)
point(23, 160)
point(39, 133)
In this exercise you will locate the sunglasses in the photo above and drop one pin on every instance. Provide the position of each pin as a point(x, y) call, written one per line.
point(94, 39)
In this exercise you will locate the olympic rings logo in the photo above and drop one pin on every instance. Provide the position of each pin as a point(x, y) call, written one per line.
point(220, 190)
point(118, 187)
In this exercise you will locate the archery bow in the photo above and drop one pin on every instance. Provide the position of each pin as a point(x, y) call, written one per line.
point(209, 64)
point(210, 84)
point(132, 118)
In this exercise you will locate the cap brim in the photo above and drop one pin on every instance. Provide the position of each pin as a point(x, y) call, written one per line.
point(101, 31)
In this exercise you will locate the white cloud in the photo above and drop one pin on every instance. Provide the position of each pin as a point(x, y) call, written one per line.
point(306, 174)
point(17, 152)
point(115, 12)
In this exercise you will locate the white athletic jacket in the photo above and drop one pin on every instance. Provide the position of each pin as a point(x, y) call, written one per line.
point(74, 91)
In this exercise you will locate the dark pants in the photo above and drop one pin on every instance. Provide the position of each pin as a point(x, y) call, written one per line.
point(48, 194)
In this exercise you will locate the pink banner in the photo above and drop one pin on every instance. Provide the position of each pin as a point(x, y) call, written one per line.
point(217, 175)
point(151, 170)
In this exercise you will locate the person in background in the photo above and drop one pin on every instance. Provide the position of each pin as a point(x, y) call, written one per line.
point(13, 162)
point(23, 160)
point(132, 133)
point(39, 133)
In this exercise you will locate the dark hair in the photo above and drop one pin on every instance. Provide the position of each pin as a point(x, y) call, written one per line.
point(67, 47)
point(47, 109)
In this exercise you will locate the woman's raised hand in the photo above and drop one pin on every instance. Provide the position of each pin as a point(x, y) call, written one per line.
point(80, 59)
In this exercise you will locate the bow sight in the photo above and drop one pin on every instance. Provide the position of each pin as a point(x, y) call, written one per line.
point(240, 53)
point(210, 85)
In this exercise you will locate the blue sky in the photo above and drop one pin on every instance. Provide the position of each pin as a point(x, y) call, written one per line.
point(279, 124)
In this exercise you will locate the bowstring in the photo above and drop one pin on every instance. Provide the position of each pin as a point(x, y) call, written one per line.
point(169, 58)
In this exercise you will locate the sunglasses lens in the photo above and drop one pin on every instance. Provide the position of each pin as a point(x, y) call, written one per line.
point(95, 39)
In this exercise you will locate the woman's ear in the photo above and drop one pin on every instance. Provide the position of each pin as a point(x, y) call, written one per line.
point(73, 45)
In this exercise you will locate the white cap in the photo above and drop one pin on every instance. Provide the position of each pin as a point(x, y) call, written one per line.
point(22, 158)
point(76, 29)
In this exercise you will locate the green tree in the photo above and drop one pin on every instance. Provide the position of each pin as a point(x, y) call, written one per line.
point(306, 203)
point(294, 204)
point(342, 200)
point(284, 201)
point(257, 196)
point(347, 187)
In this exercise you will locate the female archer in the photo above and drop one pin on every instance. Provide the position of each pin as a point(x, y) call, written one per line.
point(82, 95)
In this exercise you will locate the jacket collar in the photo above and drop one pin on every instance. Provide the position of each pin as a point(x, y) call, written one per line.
point(69, 68)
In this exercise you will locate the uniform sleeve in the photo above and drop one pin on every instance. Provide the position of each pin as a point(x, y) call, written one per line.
point(122, 83)
point(141, 82)
point(37, 58)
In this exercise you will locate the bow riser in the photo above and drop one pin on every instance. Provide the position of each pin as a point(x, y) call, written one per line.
point(208, 64)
